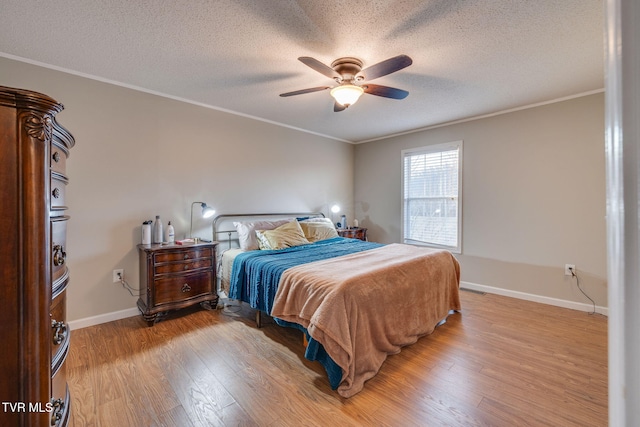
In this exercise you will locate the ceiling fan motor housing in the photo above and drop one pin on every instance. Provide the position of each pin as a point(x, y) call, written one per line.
point(347, 67)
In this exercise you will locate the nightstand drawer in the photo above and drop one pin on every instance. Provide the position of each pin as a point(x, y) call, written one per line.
point(183, 255)
point(353, 233)
point(179, 288)
point(177, 267)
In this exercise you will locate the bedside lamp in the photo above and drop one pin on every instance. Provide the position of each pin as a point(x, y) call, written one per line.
point(334, 210)
point(207, 212)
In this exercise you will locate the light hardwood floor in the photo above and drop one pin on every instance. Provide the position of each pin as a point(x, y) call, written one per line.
point(500, 362)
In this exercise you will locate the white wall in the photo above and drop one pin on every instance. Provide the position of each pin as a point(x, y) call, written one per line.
point(533, 192)
point(138, 155)
point(533, 197)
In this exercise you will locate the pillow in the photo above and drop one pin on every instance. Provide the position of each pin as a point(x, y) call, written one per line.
point(318, 230)
point(285, 236)
point(247, 231)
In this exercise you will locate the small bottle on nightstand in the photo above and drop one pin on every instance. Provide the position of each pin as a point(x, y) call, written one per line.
point(171, 236)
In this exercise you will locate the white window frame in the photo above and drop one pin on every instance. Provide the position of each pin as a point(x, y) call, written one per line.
point(426, 150)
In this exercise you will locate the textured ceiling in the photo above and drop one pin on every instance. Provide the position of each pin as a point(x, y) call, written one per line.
point(470, 57)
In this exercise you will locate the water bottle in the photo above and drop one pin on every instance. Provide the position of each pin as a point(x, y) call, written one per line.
point(146, 232)
point(343, 221)
point(157, 230)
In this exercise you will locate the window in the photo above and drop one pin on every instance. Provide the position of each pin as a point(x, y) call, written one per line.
point(431, 208)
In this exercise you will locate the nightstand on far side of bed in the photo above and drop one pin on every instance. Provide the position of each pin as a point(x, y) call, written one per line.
point(353, 233)
point(176, 276)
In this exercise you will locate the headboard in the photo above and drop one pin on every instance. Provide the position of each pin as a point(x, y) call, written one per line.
point(224, 231)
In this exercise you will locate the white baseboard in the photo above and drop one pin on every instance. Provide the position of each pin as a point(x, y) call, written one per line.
point(130, 312)
point(103, 318)
point(535, 298)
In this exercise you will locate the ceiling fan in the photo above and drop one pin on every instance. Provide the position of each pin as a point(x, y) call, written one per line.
point(353, 80)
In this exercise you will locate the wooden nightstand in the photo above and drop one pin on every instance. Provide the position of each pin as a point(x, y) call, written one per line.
point(175, 276)
point(353, 233)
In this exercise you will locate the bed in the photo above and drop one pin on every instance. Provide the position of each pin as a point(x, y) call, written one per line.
point(356, 302)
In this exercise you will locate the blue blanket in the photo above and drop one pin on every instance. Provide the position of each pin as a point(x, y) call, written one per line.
point(255, 276)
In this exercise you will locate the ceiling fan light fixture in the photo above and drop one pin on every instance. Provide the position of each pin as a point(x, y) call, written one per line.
point(346, 94)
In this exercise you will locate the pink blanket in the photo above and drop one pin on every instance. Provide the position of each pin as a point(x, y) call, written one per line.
point(365, 306)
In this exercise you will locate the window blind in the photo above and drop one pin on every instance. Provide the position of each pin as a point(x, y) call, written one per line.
point(431, 206)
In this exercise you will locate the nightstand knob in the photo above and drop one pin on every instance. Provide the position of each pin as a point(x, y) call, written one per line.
point(186, 288)
point(186, 267)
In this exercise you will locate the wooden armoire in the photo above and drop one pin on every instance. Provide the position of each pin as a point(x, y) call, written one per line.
point(33, 269)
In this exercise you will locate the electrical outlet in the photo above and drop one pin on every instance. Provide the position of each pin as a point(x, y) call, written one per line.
point(568, 268)
point(118, 275)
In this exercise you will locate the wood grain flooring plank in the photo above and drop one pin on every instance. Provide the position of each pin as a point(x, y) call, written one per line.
point(499, 362)
point(174, 417)
point(83, 408)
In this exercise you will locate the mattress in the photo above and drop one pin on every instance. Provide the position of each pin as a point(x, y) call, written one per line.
point(225, 266)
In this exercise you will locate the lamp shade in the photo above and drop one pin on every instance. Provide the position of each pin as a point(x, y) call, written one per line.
point(346, 94)
point(207, 212)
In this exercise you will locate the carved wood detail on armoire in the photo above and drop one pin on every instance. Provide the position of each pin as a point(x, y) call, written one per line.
point(33, 250)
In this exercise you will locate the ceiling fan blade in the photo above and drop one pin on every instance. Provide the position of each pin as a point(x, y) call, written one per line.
point(300, 92)
point(338, 107)
point(383, 68)
point(386, 91)
point(320, 67)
